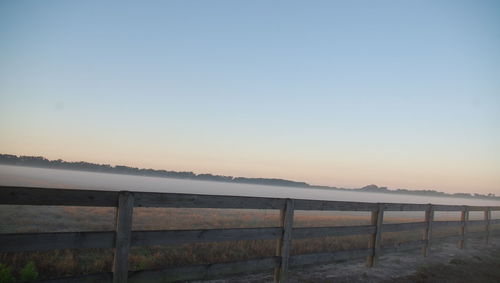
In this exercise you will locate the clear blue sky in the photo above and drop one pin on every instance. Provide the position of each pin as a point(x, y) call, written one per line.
point(344, 93)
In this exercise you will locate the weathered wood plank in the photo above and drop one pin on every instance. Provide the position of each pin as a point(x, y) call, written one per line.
point(440, 224)
point(404, 207)
point(20, 242)
point(476, 223)
point(316, 232)
point(316, 258)
point(66, 197)
point(303, 204)
point(143, 199)
point(443, 207)
point(124, 214)
point(284, 244)
point(176, 237)
point(427, 236)
point(73, 197)
point(377, 219)
point(203, 272)
point(477, 208)
point(494, 221)
point(395, 227)
point(464, 218)
point(403, 246)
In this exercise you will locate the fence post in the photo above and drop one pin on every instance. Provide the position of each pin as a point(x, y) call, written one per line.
point(122, 236)
point(429, 218)
point(285, 241)
point(374, 243)
point(463, 230)
point(487, 218)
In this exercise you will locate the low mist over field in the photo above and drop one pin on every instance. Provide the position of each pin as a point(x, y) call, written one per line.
point(36, 177)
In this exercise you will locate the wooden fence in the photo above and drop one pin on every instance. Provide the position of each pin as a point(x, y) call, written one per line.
point(123, 237)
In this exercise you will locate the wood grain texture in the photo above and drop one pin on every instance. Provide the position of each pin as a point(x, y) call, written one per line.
point(377, 219)
point(464, 218)
point(404, 207)
point(476, 208)
point(301, 204)
point(177, 237)
point(284, 244)
point(427, 235)
point(73, 197)
point(440, 224)
point(143, 199)
point(442, 207)
point(123, 236)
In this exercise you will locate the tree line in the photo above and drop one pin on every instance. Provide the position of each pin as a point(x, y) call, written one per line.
point(39, 161)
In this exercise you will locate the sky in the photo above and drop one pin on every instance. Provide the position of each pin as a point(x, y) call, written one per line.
point(404, 94)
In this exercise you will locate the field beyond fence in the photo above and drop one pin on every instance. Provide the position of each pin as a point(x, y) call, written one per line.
point(99, 236)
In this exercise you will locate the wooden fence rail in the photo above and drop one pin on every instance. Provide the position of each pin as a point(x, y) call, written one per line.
point(123, 237)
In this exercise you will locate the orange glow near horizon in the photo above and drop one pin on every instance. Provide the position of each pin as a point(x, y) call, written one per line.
point(347, 173)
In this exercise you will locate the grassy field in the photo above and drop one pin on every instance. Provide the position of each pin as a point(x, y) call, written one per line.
point(18, 219)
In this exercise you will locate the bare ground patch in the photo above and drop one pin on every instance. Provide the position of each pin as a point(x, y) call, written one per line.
point(476, 263)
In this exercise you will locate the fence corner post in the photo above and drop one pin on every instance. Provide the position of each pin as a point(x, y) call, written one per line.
point(463, 230)
point(377, 219)
point(123, 236)
point(284, 244)
point(487, 218)
point(429, 218)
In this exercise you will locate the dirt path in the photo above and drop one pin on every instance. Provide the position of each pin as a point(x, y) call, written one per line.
point(476, 263)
